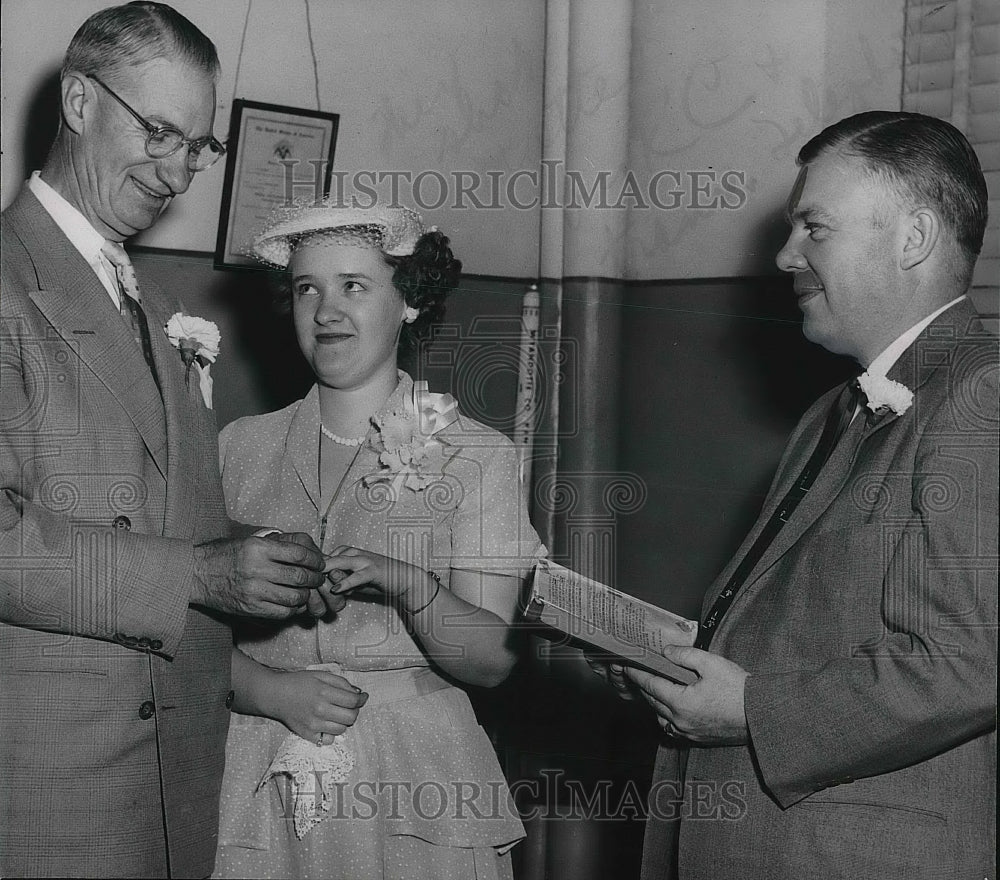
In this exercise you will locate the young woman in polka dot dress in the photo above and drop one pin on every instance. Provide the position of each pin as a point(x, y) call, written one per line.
point(353, 751)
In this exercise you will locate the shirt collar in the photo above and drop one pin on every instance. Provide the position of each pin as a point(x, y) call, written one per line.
point(885, 361)
point(87, 240)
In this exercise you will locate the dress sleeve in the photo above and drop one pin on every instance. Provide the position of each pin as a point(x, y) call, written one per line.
point(491, 530)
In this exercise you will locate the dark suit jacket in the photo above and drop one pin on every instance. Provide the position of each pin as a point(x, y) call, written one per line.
point(106, 486)
point(869, 631)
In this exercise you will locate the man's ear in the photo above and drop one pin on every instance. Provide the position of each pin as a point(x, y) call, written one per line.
point(920, 235)
point(73, 89)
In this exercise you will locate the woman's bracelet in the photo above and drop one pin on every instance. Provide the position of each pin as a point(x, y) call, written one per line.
point(437, 589)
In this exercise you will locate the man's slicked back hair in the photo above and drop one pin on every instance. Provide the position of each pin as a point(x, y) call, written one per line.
point(926, 160)
point(115, 39)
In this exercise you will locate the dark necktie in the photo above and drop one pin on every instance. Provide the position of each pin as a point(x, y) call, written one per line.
point(130, 299)
point(837, 422)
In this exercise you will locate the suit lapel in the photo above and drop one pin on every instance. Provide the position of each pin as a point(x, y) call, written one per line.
point(800, 446)
point(830, 482)
point(190, 426)
point(303, 444)
point(76, 305)
point(912, 370)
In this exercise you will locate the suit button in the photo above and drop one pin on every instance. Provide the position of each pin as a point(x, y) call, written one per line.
point(147, 710)
point(145, 643)
point(230, 697)
point(121, 522)
point(156, 644)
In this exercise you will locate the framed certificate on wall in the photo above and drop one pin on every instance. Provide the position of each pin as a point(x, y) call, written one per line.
point(275, 154)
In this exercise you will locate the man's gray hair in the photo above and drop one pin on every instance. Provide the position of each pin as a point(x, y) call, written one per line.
point(118, 38)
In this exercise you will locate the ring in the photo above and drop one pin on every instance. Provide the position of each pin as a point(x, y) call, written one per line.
point(319, 739)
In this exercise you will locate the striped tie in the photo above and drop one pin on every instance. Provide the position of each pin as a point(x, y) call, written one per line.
point(130, 298)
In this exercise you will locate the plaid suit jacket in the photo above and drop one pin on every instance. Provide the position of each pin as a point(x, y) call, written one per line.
point(112, 690)
point(869, 630)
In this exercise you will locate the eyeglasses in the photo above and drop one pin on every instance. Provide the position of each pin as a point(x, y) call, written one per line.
point(165, 140)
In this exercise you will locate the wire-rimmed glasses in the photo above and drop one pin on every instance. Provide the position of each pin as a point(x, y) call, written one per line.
point(165, 140)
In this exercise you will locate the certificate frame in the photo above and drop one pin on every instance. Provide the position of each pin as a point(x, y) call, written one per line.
point(274, 153)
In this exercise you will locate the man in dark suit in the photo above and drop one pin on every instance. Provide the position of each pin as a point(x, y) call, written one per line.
point(115, 555)
point(844, 721)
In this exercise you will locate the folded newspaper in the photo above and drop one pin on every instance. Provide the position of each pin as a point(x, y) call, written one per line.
point(616, 624)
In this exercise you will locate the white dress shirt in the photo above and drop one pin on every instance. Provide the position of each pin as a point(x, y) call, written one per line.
point(891, 353)
point(884, 362)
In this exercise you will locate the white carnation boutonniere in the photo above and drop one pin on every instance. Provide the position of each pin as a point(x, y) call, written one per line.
point(409, 453)
point(883, 392)
point(197, 340)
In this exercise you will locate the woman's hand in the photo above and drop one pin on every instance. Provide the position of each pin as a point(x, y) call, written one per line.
point(350, 568)
point(464, 628)
point(313, 701)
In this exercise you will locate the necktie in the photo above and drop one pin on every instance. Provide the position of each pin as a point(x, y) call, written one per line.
point(130, 298)
point(837, 422)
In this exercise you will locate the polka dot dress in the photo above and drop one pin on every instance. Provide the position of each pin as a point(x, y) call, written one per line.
point(426, 797)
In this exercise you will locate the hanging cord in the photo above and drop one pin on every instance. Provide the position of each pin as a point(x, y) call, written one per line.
point(312, 51)
point(239, 58)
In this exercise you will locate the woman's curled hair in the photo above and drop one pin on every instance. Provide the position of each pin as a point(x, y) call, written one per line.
point(425, 278)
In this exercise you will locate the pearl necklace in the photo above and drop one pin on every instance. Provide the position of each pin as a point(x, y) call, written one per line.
point(342, 441)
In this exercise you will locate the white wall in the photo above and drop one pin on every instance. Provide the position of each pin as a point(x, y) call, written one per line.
point(443, 85)
point(456, 85)
point(739, 86)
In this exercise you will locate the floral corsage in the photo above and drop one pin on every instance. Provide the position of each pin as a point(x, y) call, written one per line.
point(409, 453)
point(198, 342)
point(883, 392)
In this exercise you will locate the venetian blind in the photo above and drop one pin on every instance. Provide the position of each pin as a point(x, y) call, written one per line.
point(952, 71)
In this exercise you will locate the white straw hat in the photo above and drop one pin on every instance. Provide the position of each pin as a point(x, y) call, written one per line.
point(394, 231)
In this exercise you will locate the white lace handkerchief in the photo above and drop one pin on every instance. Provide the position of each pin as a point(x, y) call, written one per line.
point(314, 770)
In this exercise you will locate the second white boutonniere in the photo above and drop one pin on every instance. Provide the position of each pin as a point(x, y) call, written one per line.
point(197, 340)
point(883, 392)
point(408, 452)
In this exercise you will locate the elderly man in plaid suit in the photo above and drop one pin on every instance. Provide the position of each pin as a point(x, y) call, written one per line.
point(116, 561)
